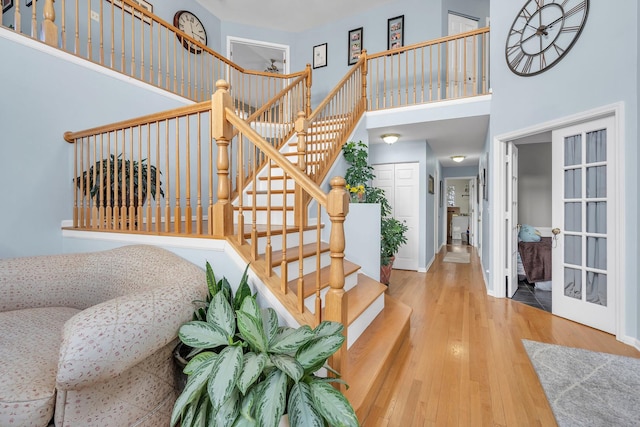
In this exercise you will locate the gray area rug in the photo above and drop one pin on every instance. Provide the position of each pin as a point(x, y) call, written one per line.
point(587, 388)
point(459, 257)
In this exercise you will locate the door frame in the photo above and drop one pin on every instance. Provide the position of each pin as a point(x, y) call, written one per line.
point(473, 206)
point(497, 184)
point(261, 44)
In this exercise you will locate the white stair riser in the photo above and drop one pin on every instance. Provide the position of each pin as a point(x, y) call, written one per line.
point(261, 217)
point(308, 265)
point(276, 199)
point(276, 184)
point(349, 282)
point(358, 326)
point(308, 236)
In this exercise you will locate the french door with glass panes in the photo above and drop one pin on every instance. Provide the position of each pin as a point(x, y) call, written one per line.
point(584, 198)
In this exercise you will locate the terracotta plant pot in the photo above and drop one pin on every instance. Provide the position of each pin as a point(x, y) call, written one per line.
point(385, 271)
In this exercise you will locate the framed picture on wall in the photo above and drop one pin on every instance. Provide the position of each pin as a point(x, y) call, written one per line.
point(6, 5)
point(355, 45)
point(320, 55)
point(395, 32)
point(441, 193)
point(142, 3)
point(28, 3)
point(431, 185)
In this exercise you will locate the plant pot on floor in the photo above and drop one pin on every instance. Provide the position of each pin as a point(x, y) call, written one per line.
point(385, 271)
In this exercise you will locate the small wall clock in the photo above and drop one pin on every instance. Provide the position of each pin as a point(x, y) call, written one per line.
point(542, 34)
point(192, 26)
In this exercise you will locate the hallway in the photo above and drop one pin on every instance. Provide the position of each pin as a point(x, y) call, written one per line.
point(465, 364)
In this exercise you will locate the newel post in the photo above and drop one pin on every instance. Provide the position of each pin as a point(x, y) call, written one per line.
point(221, 213)
point(301, 127)
point(336, 298)
point(49, 27)
point(308, 91)
point(365, 65)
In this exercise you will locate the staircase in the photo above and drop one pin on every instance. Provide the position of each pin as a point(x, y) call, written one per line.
point(377, 325)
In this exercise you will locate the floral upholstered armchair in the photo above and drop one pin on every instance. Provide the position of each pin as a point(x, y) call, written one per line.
point(87, 339)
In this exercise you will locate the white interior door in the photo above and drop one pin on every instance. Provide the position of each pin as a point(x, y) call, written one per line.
point(511, 217)
point(461, 56)
point(401, 184)
point(584, 212)
point(406, 209)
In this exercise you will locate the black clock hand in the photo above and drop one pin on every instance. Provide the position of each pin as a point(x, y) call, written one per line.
point(551, 24)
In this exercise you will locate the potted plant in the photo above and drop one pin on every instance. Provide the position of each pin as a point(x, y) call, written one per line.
point(392, 232)
point(111, 174)
point(392, 236)
point(246, 370)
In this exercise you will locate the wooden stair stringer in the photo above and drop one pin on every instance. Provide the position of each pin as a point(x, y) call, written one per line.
point(371, 357)
point(288, 300)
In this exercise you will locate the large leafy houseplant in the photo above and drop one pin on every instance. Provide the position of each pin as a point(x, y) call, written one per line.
point(392, 232)
point(246, 370)
point(128, 179)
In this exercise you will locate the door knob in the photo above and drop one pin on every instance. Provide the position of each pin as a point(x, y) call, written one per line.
point(555, 231)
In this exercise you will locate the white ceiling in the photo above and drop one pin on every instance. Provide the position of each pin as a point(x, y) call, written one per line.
point(461, 136)
point(287, 15)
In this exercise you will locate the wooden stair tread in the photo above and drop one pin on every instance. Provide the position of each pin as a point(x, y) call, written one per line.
point(278, 177)
point(260, 192)
point(370, 358)
point(261, 208)
point(310, 279)
point(276, 230)
point(292, 253)
point(362, 295)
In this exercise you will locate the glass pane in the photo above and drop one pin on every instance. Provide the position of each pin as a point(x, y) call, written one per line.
point(597, 146)
point(573, 250)
point(573, 283)
point(597, 288)
point(597, 217)
point(573, 216)
point(573, 150)
point(597, 252)
point(597, 181)
point(573, 184)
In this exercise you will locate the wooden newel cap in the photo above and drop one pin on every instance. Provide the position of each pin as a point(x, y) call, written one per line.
point(222, 84)
point(338, 203)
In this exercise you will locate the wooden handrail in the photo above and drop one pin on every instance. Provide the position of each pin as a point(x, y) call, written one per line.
point(301, 178)
point(71, 137)
point(268, 105)
point(337, 87)
point(429, 43)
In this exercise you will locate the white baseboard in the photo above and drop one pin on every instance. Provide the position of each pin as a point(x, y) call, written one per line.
point(633, 342)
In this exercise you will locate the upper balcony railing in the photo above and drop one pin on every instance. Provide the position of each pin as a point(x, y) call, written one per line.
point(126, 37)
point(441, 69)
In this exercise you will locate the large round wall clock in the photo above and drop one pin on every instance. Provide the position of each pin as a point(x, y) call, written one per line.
point(542, 34)
point(189, 23)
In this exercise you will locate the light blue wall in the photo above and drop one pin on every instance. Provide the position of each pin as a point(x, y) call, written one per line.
point(45, 98)
point(459, 171)
point(601, 69)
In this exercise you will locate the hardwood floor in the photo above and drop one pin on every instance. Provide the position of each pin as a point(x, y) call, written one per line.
point(465, 364)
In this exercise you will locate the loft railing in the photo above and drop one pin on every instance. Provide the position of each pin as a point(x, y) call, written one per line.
point(126, 37)
point(441, 69)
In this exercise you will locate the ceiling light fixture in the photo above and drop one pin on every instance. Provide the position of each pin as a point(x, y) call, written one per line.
point(457, 159)
point(272, 68)
point(390, 138)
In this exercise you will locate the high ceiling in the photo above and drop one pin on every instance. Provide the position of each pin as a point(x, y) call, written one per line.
point(287, 15)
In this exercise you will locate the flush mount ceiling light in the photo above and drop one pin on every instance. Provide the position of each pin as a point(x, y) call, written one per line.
point(457, 159)
point(390, 138)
